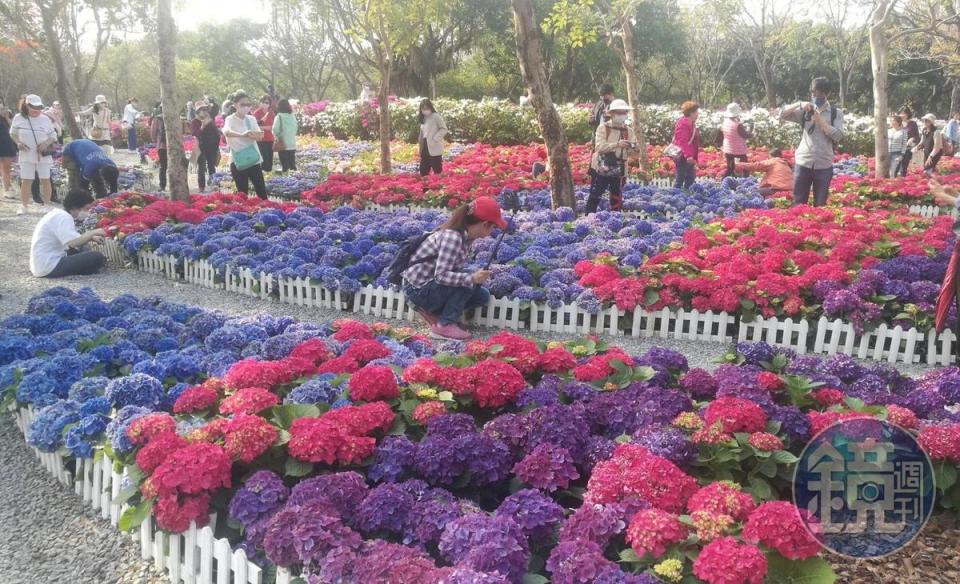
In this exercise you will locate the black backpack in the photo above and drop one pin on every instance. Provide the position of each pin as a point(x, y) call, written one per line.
point(402, 261)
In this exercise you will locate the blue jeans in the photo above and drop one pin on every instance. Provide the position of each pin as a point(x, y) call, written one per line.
point(686, 172)
point(450, 302)
point(132, 138)
point(895, 158)
point(804, 178)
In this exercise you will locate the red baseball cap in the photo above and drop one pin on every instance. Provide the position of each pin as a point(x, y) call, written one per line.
point(487, 209)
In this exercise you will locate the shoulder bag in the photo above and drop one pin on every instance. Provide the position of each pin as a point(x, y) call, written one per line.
point(48, 151)
point(246, 157)
point(278, 145)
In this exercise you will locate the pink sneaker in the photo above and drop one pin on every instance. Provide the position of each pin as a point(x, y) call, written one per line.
point(429, 318)
point(448, 331)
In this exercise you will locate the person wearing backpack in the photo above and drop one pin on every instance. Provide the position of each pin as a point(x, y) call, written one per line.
point(821, 126)
point(613, 141)
point(433, 278)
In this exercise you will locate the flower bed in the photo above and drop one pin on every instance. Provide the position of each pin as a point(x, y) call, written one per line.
point(359, 452)
point(766, 261)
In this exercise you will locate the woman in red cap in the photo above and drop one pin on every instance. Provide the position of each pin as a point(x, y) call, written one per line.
point(435, 281)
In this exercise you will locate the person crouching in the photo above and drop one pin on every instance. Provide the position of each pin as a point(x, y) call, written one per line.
point(435, 282)
point(57, 249)
point(89, 166)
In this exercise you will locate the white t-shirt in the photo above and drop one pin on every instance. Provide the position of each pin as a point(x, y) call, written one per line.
point(49, 244)
point(42, 128)
point(130, 114)
point(237, 124)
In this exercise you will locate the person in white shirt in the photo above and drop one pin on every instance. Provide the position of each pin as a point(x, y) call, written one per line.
point(56, 116)
point(33, 133)
point(242, 132)
point(130, 115)
point(57, 248)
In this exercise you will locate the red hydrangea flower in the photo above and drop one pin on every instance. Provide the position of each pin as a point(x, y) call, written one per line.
point(712, 434)
point(198, 398)
point(190, 470)
point(556, 360)
point(819, 421)
point(651, 531)
point(459, 381)
point(373, 383)
point(248, 400)
point(497, 383)
point(941, 442)
point(246, 437)
point(723, 498)
point(174, 513)
point(782, 526)
point(769, 380)
point(157, 449)
point(765, 442)
point(340, 435)
point(633, 472)
point(312, 350)
point(365, 350)
point(141, 430)
point(724, 561)
point(827, 396)
point(901, 416)
point(426, 410)
point(421, 371)
point(518, 351)
point(736, 414)
point(598, 366)
point(348, 330)
point(339, 365)
point(251, 373)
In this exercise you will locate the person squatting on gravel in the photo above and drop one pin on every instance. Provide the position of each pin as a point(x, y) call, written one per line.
point(88, 165)
point(56, 249)
point(434, 280)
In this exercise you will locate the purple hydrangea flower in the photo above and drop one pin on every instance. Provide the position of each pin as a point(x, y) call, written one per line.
point(343, 490)
point(699, 384)
point(577, 561)
point(494, 544)
point(667, 442)
point(595, 523)
point(535, 513)
point(261, 494)
point(392, 459)
point(384, 509)
point(547, 467)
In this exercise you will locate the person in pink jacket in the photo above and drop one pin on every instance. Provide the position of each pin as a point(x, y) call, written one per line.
point(687, 138)
point(735, 136)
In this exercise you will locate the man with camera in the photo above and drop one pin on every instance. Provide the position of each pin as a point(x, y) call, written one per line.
point(613, 140)
point(821, 126)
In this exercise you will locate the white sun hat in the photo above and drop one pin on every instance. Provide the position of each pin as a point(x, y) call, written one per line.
point(733, 110)
point(618, 105)
point(100, 99)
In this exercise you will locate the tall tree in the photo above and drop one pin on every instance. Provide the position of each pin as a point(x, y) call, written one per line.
point(881, 18)
point(848, 35)
point(759, 27)
point(534, 75)
point(711, 55)
point(372, 34)
point(167, 43)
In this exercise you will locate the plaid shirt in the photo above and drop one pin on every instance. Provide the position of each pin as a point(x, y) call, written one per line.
point(449, 249)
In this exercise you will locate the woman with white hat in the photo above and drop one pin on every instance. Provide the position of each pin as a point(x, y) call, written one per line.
point(34, 135)
point(735, 137)
point(931, 143)
point(99, 131)
point(613, 141)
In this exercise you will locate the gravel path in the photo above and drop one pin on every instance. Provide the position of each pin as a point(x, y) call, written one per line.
point(47, 535)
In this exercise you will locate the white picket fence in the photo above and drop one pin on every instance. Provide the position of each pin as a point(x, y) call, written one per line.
point(570, 318)
point(682, 324)
point(932, 210)
point(882, 344)
point(773, 331)
point(243, 281)
point(196, 556)
point(113, 251)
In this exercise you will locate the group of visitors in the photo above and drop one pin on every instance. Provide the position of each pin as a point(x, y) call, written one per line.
point(905, 140)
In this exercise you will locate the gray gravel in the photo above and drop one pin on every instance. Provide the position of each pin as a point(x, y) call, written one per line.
point(46, 533)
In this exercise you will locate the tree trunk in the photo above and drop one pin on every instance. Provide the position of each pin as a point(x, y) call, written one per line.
point(531, 68)
point(878, 59)
point(955, 95)
point(167, 44)
point(385, 127)
point(767, 78)
point(47, 16)
point(633, 88)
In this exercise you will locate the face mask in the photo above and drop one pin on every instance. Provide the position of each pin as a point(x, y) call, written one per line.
point(607, 100)
point(819, 101)
point(619, 118)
